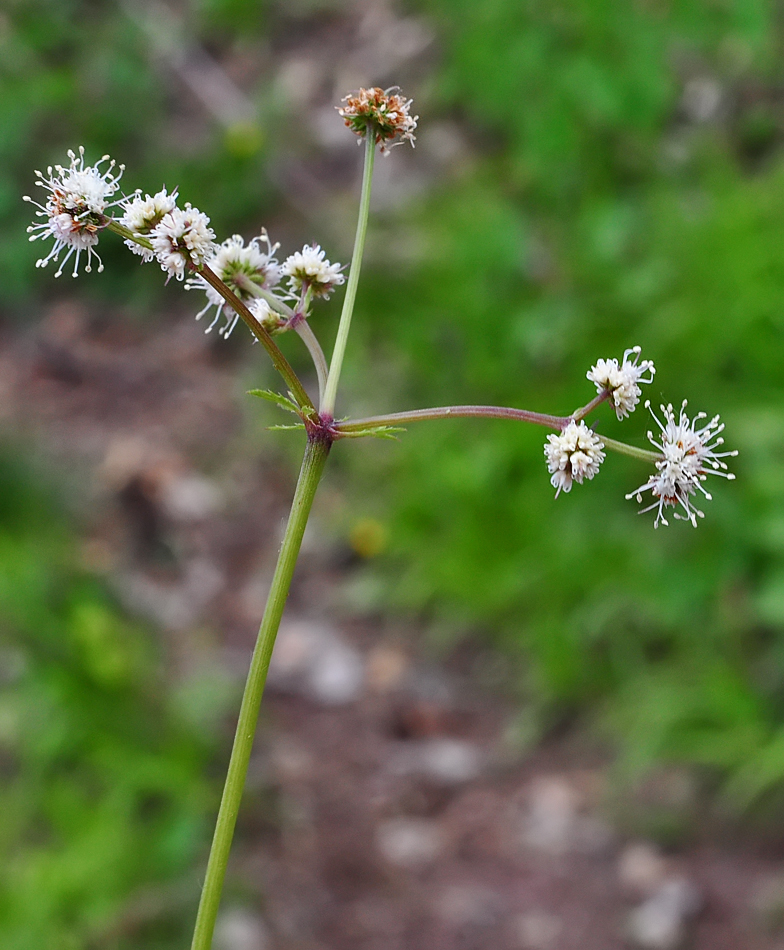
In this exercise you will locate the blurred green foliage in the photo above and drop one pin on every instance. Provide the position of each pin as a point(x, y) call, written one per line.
point(103, 803)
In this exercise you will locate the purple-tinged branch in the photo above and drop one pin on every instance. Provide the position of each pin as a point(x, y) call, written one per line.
point(589, 408)
point(454, 412)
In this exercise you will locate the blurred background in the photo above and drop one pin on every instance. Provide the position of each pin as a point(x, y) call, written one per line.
point(495, 720)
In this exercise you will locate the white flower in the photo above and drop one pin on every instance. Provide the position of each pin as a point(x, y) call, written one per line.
point(621, 382)
point(688, 456)
point(182, 238)
point(242, 267)
point(75, 209)
point(266, 316)
point(573, 455)
point(309, 268)
point(141, 215)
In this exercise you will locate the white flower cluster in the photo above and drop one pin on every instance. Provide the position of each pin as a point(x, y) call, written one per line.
point(573, 455)
point(265, 315)
point(309, 269)
point(75, 210)
point(576, 453)
point(249, 269)
point(143, 215)
point(244, 269)
point(622, 382)
point(180, 240)
point(688, 456)
point(686, 449)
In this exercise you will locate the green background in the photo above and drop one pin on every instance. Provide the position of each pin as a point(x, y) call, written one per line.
point(619, 182)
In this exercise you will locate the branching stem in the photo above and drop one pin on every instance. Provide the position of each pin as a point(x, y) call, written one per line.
point(589, 408)
point(276, 304)
point(491, 412)
point(298, 321)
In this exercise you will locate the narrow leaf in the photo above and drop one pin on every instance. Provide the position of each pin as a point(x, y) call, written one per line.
point(282, 401)
point(377, 432)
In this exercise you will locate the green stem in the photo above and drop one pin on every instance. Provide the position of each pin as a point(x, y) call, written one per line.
point(313, 464)
point(309, 338)
point(330, 394)
point(276, 304)
point(126, 234)
point(623, 449)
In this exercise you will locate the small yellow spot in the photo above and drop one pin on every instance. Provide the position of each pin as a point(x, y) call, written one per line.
point(368, 537)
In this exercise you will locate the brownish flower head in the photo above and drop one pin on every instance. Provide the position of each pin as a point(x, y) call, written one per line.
point(384, 111)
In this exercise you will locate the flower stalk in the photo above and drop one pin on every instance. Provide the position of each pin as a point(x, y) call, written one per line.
point(330, 394)
point(633, 451)
point(305, 332)
point(127, 235)
point(296, 320)
point(587, 409)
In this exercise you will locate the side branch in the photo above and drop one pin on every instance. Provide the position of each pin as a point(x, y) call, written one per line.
point(589, 408)
point(279, 361)
point(645, 455)
point(297, 320)
point(450, 412)
point(308, 337)
point(366, 426)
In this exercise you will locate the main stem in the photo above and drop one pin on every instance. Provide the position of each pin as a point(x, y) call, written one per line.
point(330, 394)
point(313, 464)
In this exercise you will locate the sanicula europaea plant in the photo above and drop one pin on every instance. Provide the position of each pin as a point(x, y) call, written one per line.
point(246, 281)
